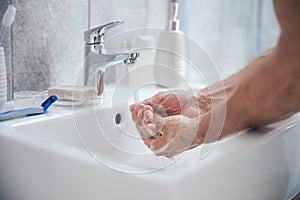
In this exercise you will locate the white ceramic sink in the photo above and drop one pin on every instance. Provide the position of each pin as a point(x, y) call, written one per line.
point(84, 154)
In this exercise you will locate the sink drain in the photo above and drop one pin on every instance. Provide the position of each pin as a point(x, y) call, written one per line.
point(118, 118)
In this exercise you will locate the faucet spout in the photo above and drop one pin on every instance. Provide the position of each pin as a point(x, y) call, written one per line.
point(106, 60)
point(96, 65)
point(96, 60)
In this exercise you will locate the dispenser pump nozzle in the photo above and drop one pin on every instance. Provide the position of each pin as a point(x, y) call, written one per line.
point(174, 22)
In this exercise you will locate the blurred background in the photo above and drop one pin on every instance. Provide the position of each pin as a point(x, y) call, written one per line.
point(45, 43)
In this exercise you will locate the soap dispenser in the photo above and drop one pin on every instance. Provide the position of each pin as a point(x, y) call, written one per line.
point(169, 69)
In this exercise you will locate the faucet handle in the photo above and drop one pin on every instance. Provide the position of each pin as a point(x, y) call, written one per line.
point(96, 35)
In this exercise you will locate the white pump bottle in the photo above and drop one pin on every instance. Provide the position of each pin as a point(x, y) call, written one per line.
point(169, 69)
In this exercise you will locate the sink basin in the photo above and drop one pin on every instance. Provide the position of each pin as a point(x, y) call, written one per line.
point(107, 134)
point(96, 153)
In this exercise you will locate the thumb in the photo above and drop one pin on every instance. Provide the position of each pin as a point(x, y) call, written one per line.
point(159, 122)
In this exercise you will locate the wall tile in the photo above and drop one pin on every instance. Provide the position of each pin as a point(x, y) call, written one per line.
point(47, 42)
point(226, 29)
point(233, 32)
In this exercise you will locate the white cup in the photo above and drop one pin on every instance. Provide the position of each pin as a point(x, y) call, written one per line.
point(23, 99)
point(3, 79)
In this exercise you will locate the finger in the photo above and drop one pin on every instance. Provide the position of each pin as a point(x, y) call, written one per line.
point(144, 133)
point(159, 121)
point(169, 104)
point(144, 121)
point(140, 114)
point(150, 131)
point(158, 147)
point(147, 107)
point(140, 106)
point(154, 99)
point(156, 103)
point(149, 142)
point(147, 131)
point(132, 107)
point(161, 110)
point(133, 112)
point(148, 117)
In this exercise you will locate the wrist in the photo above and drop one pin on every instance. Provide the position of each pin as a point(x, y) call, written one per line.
point(288, 48)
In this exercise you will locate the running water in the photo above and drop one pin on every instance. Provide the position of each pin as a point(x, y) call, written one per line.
point(132, 79)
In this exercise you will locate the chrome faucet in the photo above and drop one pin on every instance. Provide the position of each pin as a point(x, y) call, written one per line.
point(96, 60)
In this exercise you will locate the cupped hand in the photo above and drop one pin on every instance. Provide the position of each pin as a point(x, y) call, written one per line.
point(166, 136)
point(167, 122)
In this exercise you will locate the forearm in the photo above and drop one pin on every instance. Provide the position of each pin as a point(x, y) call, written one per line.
point(269, 87)
point(272, 89)
point(222, 90)
point(269, 92)
point(262, 96)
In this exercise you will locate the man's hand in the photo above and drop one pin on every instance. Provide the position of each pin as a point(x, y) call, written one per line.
point(168, 121)
point(166, 136)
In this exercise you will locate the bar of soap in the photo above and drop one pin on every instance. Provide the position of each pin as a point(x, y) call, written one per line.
point(72, 93)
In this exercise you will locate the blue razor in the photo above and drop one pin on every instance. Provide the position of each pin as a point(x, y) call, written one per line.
point(13, 114)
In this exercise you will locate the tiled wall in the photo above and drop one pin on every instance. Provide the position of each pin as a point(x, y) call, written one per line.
point(47, 36)
point(233, 32)
point(47, 42)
